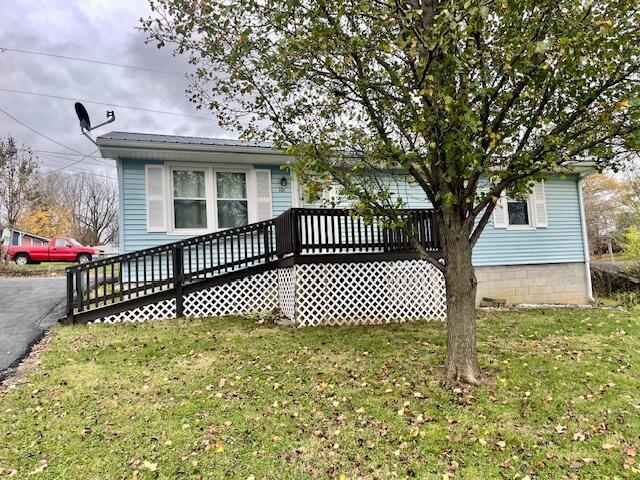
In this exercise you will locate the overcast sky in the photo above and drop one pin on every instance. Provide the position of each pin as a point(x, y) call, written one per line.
point(103, 30)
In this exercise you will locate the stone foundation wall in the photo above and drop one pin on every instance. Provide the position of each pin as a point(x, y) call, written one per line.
point(562, 283)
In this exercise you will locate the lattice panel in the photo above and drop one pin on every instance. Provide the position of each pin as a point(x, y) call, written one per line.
point(153, 311)
point(372, 292)
point(287, 291)
point(256, 293)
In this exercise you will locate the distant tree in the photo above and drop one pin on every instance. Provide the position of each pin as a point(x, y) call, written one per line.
point(630, 216)
point(95, 209)
point(18, 170)
point(604, 204)
point(470, 98)
point(46, 220)
point(82, 205)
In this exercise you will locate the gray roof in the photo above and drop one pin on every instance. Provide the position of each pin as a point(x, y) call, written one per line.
point(180, 140)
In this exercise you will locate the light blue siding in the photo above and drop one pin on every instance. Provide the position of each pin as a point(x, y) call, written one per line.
point(133, 221)
point(280, 195)
point(560, 242)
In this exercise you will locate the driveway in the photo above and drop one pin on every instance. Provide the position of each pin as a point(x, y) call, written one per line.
point(28, 306)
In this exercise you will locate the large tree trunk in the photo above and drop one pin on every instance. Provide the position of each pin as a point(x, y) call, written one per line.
point(460, 279)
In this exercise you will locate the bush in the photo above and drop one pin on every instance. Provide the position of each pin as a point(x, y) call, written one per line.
point(629, 300)
point(632, 244)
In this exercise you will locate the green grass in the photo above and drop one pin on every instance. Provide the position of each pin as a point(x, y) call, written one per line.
point(229, 398)
point(32, 269)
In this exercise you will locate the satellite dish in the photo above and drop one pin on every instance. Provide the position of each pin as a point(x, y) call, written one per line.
point(83, 116)
point(85, 122)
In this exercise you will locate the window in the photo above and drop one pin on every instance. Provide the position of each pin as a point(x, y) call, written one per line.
point(530, 213)
point(231, 199)
point(61, 242)
point(189, 199)
point(517, 212)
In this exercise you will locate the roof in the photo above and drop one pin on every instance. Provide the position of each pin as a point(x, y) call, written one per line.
point(22, 232)
point(179, 140)
point(149, 146)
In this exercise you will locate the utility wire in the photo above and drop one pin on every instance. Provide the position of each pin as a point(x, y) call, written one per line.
point(99, 62)
point(72, 163)
point(87, 172)
point(68, 154)
point(28, 127)
point(63, 157)
point(96, 102)
point(41, 134)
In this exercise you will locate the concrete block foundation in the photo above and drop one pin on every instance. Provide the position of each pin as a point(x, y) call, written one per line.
point(560, 283)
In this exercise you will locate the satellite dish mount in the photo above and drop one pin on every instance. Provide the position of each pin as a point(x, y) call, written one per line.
point(85, 122)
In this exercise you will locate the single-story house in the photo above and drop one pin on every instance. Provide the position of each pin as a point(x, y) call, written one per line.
point(18, 237)
point(172, 188)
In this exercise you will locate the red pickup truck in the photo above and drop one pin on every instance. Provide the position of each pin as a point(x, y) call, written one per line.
point(60, 249)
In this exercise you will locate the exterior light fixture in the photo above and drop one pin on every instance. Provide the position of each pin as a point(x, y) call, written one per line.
point(283, 181)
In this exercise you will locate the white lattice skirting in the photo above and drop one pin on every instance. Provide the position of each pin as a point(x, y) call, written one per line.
point(318, 294)
point(253, 294)
point(362, 293)
point(153, 311)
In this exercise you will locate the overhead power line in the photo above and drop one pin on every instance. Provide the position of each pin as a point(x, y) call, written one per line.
point(68, 154)
point(89, 60)
point(55, 161)
point(28, 127)
point(63, 157)
point(106, 104)
point(72, 163)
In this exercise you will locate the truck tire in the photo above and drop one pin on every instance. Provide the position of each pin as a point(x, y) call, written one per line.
point(21, 259)
point(84, 258)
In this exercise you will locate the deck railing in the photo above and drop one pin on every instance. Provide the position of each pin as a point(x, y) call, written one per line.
point(322, 230)
point(132, 275)
point(298, 231)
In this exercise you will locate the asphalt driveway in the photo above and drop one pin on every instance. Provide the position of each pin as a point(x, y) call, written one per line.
point(28, 306)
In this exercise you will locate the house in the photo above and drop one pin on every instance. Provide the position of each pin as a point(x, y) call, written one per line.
point(18, 237)
point(172, 188)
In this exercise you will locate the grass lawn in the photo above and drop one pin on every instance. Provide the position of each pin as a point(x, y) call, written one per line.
point(229, 398)
point(33, 269)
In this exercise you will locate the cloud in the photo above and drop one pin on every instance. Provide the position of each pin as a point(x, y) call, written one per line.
point(99, 30)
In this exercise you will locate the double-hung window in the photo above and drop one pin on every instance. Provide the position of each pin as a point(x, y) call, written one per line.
point(189, 199)
point(231, 199)
point(196, 199)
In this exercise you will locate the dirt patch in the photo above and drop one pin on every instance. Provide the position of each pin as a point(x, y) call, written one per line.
point(14, 376)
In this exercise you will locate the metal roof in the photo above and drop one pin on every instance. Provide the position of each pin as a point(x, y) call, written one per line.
point(179, 140)
point(149, 146)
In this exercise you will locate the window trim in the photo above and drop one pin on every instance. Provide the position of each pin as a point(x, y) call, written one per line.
point(210, 197)
point(247, 188)
point(171, 209)
point(530, 213)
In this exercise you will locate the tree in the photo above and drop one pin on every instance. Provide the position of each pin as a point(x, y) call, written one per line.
point(18, 169)
point(46, 220)
point(81, 205)
point(605, 208)
point(471, 98)
point(95, 209)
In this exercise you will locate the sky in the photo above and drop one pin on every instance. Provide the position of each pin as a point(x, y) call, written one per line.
point(101, 30)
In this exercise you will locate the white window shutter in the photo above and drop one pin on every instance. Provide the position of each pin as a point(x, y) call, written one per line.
point(264, 209)
point(500, 212)
point(156, 198)
point(539, 205)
